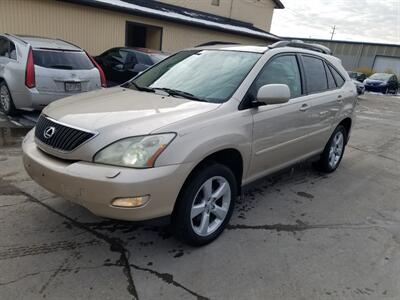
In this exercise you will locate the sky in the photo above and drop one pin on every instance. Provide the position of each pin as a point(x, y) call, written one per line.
point(355, 20)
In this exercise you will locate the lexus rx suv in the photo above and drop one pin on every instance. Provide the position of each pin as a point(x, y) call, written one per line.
point(184, 136)
point(35, 71)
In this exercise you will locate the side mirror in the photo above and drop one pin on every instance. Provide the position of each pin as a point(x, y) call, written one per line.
point(272, 94)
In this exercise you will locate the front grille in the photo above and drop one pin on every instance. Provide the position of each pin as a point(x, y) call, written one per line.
point(59, 136)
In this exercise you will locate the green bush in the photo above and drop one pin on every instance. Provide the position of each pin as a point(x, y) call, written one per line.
point(367, 71)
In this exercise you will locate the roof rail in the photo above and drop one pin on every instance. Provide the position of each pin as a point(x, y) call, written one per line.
point(72, 44)
point(16, 37)
point(212, 43)
point(301, 44)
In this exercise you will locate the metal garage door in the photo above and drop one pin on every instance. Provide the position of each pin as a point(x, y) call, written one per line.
point(385, 63)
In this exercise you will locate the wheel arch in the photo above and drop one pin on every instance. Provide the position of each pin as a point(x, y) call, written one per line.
point(346, 123)
point(229, 157)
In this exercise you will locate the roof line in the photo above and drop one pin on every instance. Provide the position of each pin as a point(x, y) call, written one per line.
point(342, 41)
point(16, 37)
point(135, 9)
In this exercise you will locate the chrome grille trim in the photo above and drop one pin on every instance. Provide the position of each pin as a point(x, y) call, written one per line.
point(66, 137)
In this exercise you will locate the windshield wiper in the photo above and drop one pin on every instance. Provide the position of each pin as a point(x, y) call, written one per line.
point(142, 88)
point(173, 92)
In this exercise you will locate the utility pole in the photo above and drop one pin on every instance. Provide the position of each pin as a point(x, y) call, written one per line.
point(333, 31)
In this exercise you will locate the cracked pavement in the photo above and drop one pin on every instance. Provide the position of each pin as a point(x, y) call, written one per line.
point(297, 234)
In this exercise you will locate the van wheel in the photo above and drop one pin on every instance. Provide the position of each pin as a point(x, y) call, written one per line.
point(205, 205)
point(334, 150)
point(6, 102)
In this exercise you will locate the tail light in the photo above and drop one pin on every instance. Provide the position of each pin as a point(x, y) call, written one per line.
point(30, 80)
point(102, 75)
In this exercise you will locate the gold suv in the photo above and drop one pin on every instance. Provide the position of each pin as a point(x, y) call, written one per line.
point(182, 138)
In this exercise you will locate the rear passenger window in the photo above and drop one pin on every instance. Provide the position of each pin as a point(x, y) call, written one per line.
point(331, 81)
point(4, 47)
point(283, 70)
point(13, 52)
point(315, 74)
point(338, 78)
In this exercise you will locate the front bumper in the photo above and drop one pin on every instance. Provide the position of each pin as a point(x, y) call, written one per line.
point(94, 186)
point(375, 88)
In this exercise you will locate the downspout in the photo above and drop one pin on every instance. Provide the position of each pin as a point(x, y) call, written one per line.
point(230, 10)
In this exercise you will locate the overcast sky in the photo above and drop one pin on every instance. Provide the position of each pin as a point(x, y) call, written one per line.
point(356, 20)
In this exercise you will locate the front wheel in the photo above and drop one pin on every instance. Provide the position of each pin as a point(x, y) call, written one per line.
point(333, 151)
point(205, 205)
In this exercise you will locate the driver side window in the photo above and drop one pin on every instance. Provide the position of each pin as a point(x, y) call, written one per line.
point(280, 70)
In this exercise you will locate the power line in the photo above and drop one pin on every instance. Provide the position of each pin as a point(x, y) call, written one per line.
point(333, 31)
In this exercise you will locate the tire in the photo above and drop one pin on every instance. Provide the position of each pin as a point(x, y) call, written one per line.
point(333, 152)
point(6, 102)
point(194, 205)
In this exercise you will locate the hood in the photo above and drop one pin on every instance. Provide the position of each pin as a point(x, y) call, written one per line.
point(374, 82)
point(124, 110)
point(357, 83)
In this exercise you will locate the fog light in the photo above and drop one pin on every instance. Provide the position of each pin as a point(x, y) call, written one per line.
point(131, 202)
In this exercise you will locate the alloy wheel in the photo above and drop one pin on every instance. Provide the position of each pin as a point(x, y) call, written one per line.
point(210, 205)
point(336, 149)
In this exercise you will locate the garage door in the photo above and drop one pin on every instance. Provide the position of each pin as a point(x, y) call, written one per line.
point(384, 63)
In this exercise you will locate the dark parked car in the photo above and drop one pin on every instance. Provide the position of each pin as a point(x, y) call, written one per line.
point(382, 83)
point(121, 64)
point(357, 76)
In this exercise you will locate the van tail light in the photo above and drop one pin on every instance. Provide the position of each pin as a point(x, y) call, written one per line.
point(30, 80)
point(102, 75)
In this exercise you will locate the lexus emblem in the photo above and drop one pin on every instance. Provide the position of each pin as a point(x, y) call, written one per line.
point(49, 132)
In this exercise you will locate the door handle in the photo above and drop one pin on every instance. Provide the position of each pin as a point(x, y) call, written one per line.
point(339, 98)
point(304, 107)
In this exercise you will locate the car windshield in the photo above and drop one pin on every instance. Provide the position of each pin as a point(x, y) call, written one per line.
point(67, 60)
point(380, 76)
point(210, 75)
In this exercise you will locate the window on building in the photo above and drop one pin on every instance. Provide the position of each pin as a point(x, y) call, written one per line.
point(143, 36)
point(315, 74)
point(215, 2)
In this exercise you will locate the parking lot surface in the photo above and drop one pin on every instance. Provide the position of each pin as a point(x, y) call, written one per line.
point(298, 234)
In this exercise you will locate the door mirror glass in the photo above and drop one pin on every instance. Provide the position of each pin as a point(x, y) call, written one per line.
point(273, 94)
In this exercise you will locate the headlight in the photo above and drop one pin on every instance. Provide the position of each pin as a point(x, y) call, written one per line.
point(135, 152)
